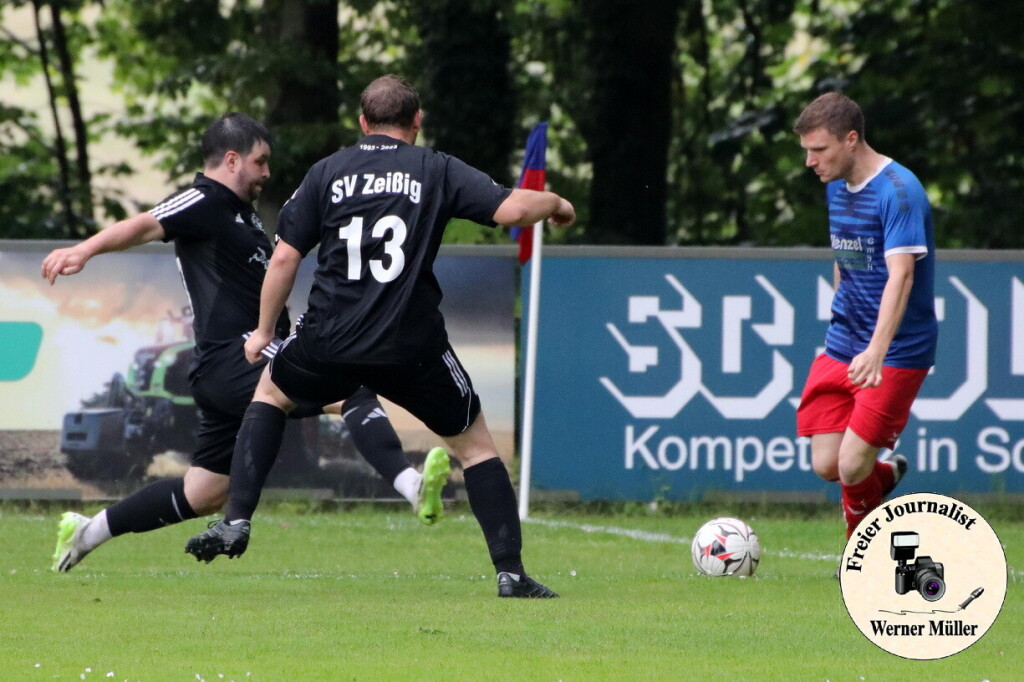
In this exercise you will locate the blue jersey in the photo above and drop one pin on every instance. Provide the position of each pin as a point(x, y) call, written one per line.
point(886, 215)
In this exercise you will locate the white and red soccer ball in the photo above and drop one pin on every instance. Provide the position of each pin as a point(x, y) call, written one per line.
point(726, 546)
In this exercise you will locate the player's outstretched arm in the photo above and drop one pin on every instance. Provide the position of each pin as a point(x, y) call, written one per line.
point(527, 206)
point(277, 285)
point(122, 235)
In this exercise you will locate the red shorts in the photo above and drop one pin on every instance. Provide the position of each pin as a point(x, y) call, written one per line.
point(830, 402)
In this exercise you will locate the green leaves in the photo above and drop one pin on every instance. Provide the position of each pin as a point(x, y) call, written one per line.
point(939, 81)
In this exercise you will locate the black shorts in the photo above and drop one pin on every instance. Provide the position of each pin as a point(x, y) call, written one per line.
point(436, 389)
point(222, 398)
point(222, 394)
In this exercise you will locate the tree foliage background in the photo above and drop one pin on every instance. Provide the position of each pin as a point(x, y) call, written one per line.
point(670, 120)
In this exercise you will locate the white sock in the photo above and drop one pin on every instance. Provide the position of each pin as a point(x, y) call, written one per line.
point(408, 483)
point(96, 532)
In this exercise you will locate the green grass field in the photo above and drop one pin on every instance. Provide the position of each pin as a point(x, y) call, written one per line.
point(370, 594)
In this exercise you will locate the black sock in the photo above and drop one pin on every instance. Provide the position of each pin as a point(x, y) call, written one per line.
point(493, 502)
point(159, 504)
point(303, 410)
point(373, 434)
point(256, 448)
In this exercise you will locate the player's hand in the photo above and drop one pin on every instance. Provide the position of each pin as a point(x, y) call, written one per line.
point(255, 344)
point(865, 369)
point(63, 262)
point(564, 215)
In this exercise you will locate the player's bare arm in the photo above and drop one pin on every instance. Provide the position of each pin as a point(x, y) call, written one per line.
point(866, 368)
point(134, 231)
point(277, 285)
point(526, 206)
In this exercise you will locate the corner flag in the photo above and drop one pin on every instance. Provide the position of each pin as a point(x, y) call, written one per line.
point(532, 177)
point(530, 241)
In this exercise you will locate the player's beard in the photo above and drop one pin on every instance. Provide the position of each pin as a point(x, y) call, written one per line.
point(253, 189)
point(249, 183)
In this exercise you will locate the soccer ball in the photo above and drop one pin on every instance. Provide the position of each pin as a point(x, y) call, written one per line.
point(726, 546)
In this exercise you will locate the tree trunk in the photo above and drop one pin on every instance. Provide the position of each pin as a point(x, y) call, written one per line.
point(302, 113)
point(60, 151)
point(67, 72)
point(628, 123)
point(468, 99)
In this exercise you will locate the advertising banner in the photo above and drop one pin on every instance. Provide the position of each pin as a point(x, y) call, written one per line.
point(676, 373)
point(94, 385)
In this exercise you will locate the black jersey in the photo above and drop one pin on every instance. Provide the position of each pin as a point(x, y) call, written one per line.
point(378, 210)
point(222, 253)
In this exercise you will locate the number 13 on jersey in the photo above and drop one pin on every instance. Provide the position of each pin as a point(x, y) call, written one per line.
point(392, 230)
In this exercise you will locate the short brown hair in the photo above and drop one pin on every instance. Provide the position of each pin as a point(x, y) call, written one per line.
point(232, 132)
point(833, 111)
point(390, 102)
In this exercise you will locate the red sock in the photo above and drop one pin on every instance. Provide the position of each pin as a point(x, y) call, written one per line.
point(859, 500)
point(885, 474)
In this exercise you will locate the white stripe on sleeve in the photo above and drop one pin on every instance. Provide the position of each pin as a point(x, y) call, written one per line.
point(919, 252)
point(176, 204)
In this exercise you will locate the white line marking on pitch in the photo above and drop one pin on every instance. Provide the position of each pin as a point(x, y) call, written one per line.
point(647, 536)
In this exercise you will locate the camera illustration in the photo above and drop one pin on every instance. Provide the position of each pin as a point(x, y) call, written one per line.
point(924, 575)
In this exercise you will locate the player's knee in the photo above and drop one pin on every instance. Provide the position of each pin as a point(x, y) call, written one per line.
point(206, 502)
point(472, 446)
point(826, 470)
point(206, 494)
point(852, 472)
point(468, 456)
point(209, 506)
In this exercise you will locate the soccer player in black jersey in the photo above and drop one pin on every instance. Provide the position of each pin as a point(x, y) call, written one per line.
point(223, 253)
point(378, 210)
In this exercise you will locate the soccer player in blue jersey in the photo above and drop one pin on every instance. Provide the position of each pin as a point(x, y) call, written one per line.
point(881, 340)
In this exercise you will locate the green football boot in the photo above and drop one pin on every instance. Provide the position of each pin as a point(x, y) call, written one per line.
point(69, 535)
point(435, 474)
